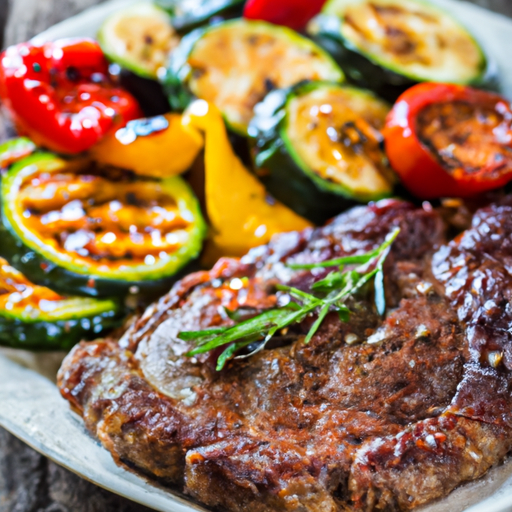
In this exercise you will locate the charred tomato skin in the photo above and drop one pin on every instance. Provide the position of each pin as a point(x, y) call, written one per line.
point(63, 274)
point(416, 164)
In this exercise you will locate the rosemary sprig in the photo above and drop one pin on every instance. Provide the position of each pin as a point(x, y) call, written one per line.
point(328, 294)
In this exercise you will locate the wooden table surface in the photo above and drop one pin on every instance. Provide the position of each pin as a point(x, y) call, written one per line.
point(28, 481)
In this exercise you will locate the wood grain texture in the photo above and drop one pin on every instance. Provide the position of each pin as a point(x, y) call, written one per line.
point(28, 481)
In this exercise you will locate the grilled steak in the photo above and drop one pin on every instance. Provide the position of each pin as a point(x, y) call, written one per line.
point(374, 413)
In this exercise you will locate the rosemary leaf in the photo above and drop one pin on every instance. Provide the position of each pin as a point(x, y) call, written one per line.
point(230, 352)
point(318, 323)
point(328, 294)
point(197, 335)
point(380, 298)
point(350, 260)
point(247, 328)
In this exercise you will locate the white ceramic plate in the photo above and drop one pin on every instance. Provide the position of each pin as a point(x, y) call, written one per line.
point(32, 409)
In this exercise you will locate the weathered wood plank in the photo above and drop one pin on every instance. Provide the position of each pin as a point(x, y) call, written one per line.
point(26, 18)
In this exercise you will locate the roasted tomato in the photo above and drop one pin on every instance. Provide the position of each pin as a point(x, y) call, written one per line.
point(291, 13)
point(60, 94)
point(450, 140)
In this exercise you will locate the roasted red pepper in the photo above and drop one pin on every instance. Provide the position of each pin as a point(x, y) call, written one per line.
point(291, 13)
point(450, 141)
point(60, 94)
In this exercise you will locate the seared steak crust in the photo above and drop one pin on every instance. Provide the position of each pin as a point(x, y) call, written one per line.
point(374, 413)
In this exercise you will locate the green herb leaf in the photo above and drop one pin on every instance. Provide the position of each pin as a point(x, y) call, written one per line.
point(230, 352)
point(346, 260)
point(328, 294)
point(249, 328)
point(197, 335)
point(380, 298)
point(351, 260)
point(318, 323)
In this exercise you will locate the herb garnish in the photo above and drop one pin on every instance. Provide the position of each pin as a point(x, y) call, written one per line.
point(328, 294)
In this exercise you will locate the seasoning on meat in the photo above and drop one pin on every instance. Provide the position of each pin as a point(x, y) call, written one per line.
point(373, 413)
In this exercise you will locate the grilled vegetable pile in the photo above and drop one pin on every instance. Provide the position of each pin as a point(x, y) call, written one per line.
point(235, 64)
point(198, 129)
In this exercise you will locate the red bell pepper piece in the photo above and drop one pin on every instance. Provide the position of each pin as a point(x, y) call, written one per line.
point(290, 13)
point(60, 94)
point(448, 140)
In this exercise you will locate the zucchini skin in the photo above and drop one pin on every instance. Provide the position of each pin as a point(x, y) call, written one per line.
point(304, 192)
point(14, 149)
point(212, 11)
point(363, 71)
point(175, 80)
point(288, 183)
point(44, 272)
point(59, 335)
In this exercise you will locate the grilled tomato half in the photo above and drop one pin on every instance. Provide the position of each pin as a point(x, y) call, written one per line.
point(449, 140)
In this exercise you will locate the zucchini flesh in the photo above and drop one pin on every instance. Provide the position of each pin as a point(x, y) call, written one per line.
point(320, 150)
point(235, 64)
point(410, 38)
point(334, 134)
point(96, 231)
point(139, 38)
point(36, 318)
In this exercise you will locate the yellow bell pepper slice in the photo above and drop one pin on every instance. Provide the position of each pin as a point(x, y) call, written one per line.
point(240, 213)
point(157, 147)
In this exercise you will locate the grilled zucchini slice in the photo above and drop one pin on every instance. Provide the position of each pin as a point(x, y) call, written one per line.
point(190, 14)
point(15, 149)
point(389, 45)
point(98, 232)
point(139, 38)
point(36, 318)
point(318, 148)
point(235, 64)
